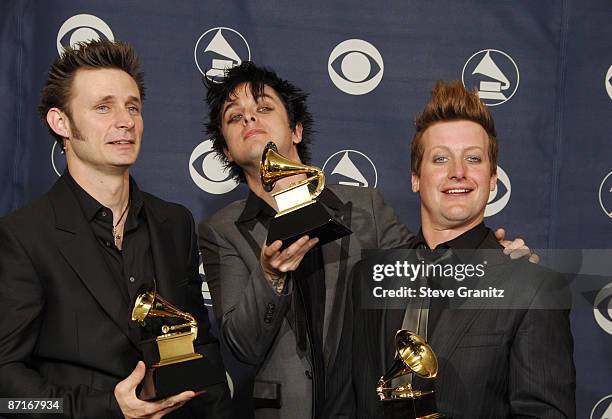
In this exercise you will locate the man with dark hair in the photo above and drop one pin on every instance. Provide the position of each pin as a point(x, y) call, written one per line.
point(281, 310)
point(278, 308)
point(73, 261)
point(506, 353)
point(292, 98)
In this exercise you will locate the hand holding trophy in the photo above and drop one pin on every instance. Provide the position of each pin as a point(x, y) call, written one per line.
point(299, 213)
point(414, 356)
point(171, 356)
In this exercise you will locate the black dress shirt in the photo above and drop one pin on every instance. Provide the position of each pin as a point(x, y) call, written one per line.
point(132, 266)
point(470, 240)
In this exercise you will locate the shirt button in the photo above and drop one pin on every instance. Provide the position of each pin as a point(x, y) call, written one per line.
point(132, 279)
point(103, 213)
point(107, 244)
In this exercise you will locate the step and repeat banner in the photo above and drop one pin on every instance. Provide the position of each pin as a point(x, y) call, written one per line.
point(543, 67)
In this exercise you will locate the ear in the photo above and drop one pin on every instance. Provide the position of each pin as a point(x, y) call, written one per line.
point(296, 135)
point(414, 179)
point(59, 123)
point(493, 183)
point(227, 153)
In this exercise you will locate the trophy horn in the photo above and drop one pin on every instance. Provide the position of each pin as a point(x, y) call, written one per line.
point(414, 355)
point(151, 304)
point(274, 166)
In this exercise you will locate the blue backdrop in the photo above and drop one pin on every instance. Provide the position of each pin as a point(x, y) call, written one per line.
point(544, 67)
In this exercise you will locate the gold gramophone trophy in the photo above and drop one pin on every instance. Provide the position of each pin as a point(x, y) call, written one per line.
point(414, 356)
point(176, 366)
point(299, 213)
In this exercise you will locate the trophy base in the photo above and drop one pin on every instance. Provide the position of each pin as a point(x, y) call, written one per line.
point(422, 406)
point(181, 373)
point(195, 375)
point(313, 220)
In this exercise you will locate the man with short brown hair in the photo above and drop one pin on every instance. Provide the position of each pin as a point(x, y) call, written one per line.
point(73, 261)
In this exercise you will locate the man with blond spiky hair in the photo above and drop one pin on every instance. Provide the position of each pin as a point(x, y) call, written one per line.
point(509, 355)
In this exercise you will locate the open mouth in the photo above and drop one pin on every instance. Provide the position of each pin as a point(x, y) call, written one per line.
point(457, 191)
point(121, 142)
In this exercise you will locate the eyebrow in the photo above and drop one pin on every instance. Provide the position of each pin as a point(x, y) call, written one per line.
point(474, 147)
point(110, 98)
point(232, 102)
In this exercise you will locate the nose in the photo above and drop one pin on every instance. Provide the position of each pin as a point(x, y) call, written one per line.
point(125, 120)
point(249, 116)
point(456, 169)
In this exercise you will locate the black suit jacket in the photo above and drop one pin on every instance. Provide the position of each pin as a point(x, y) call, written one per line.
point(64, 323)
point(493, 363)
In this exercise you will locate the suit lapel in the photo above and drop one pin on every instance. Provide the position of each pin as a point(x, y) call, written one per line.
point(453, 324)
point(165, 258)
point(339, 257)
point(81, 251)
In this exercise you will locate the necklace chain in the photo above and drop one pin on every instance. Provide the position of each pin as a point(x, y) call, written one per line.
point(116, 235)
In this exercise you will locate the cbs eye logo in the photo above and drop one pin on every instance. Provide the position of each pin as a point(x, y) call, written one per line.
point(503, 185)
point(602, 308)
point(211, 176)
point(605, 195)
point(80, 28)
point(602, 409)
point(205, 290)
point(608, 82)
point(355, 67)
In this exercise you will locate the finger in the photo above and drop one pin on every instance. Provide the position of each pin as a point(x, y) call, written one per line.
point(131, 381)
point(269, 251)
point(164, 412)
point(500, 234)
point(298, 252)
point(171, 403)
point(308, 245)
point(293, 262)
point(519, 253)
point(534, 258)
point(288, 253)
point(294, 248)
point(515, 245)
point(518, 244)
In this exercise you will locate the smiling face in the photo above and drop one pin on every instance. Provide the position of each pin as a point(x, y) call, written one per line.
point(249, 123)
point(455, 176)
point(104, 130)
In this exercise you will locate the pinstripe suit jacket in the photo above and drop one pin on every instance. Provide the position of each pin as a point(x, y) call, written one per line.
point(493, 363)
